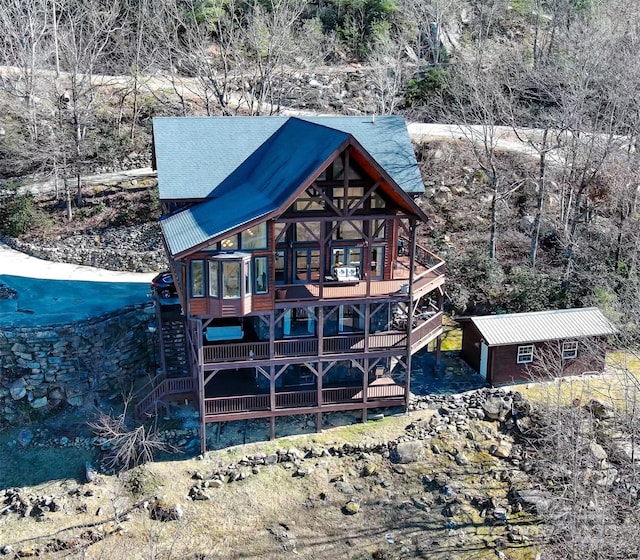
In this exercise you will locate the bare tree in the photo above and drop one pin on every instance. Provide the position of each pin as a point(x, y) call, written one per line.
point(85, 37)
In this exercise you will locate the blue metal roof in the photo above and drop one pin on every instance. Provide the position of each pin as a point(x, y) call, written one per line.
point(195, 155)
point(296, 152)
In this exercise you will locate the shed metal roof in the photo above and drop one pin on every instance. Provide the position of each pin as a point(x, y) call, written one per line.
point(520, 328)
point(194, 155)
point(259, 186)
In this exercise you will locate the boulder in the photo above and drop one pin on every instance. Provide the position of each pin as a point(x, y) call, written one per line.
point(496, 408)
point(599, 454)
point(502, 449)
point(409, 452)
point(161, 510)
point(18, 389)
point(600, 410)
point(532, 500)
point(39, 403)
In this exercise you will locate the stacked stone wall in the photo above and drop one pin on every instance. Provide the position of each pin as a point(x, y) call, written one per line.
point(43, 368)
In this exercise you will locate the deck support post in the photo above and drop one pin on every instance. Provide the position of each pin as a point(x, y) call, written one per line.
point(412, 256)
point(320, 401)
point(272, 428)
point(365, 386)
point(438, 350)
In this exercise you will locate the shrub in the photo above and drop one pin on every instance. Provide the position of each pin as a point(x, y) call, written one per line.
point(17, 212)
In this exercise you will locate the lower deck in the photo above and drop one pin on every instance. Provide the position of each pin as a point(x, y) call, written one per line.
point(304, 400)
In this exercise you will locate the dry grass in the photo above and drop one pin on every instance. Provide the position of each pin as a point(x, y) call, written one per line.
point(274, 514)
point(616, 386)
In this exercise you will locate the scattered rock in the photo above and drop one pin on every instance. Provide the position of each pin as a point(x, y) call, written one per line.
point(351, 508)
point(600, 410)
point(503, 449)
point(161, 510)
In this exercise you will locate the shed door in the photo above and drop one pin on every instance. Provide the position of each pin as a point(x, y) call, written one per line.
point(484, 358)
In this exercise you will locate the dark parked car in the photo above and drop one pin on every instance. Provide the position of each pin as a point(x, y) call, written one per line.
point(164, 286)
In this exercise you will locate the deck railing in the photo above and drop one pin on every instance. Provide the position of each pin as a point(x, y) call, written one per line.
point(227, 405)
point(295, 399)
point(246, 351)
point(427, 329)
point(165, 387)
point(240, 351)
point(335, 395)
point(301, 399)
point(296, 347)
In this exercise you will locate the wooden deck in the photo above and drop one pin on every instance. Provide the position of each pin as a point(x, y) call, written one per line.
point(428, 274)
point(381, 393)
point(424, 332)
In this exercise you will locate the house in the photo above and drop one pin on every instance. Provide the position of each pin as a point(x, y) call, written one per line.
point(509, 348)
point(293, 245)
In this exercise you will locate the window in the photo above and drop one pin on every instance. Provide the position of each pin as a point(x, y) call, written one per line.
point(525, 354)
point(377, 262)
point(347, 256)
point(229, 244)
point(569, 350)
point(378, 229)
point(280, 267)
point(261, 271)
point(307, 263)
point(231, 279)
point(377, 201)
point(350, 318)
point(307, 232)
point(348, 230)
point(254, 237)
point(197, 278)
point(213, 279)
point(309, 201)
point(299, 321)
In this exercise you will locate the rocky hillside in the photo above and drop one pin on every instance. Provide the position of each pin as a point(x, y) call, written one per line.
point(467, 476)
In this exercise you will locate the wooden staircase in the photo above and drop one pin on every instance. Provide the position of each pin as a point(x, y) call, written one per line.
point(173, 382)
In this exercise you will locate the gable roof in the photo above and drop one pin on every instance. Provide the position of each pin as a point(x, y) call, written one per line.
point(520, 328)
point(259, 186)
point(194, 155)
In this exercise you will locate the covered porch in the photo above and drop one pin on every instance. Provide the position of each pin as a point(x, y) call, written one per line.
point(426, 327)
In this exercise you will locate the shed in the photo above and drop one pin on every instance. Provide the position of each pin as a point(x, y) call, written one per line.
point(507, 348)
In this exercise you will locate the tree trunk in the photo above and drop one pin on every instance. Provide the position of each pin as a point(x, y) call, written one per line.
point(535, 238)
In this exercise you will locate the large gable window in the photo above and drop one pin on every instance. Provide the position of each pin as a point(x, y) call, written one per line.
point(254, 237)
point(525, 354)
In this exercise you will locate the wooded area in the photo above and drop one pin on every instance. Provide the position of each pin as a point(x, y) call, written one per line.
point(80, 80)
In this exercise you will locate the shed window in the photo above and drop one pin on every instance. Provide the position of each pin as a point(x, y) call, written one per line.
point(197, 278)
point(569, 350)
point(525, 354)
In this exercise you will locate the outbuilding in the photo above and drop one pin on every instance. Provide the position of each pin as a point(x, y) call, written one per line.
point(508, 348)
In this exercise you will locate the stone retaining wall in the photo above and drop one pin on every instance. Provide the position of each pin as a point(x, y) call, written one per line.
point(132, 248)
point(47, 367)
